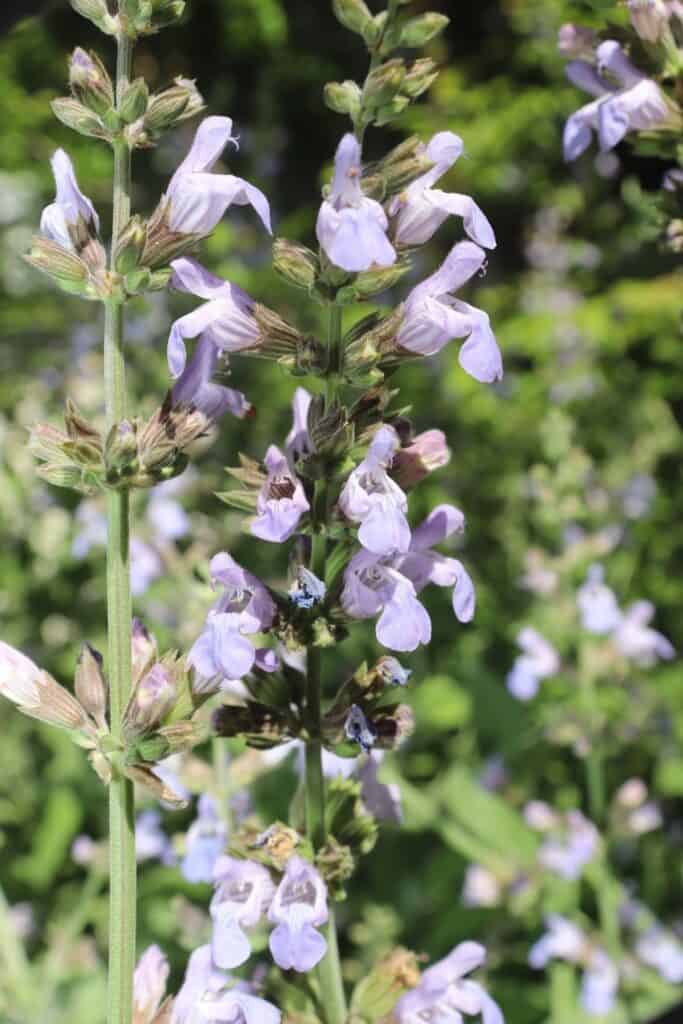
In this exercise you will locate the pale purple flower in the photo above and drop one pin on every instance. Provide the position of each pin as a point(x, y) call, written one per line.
point(637, 641)
point(70, 205)
point(371, 498)
point(540, 816)
point(662, 951)
point(639, 492)
point(243, 892)
point(388, 587)
point(649, 18)
point(481, 888)
point(382, 799)
point(210, 996)
point(421, 209)
point(206, 839)
point(422, 565)
point(358, 729)
point(307, 590)
point(625, 100)
point(299, 906)
point(538, 661)
point(168, 771)
point(597, 604)
point(444, 993)
point(225, 319)
point(298, 441)
point(84, 850)
point(562, 941)
point(433, 316)
point(351, 227)
point(281, 501)
point(92, 529)
point(426, 453)
point(165, 515)
point(599, 984)
point(21, 680)
point(568, 854)
point(149, 984)
point(245, 607)
point(198, 199)
point(146, 566)
point(195, 388)
point(392, 671)
point(151, 842)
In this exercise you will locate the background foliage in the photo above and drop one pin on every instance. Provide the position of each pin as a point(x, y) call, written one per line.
point(586, 306)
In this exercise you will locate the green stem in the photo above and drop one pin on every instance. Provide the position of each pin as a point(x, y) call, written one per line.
point(122, 867)
point(329, 970)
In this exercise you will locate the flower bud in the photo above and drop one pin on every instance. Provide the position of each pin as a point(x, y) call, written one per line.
point(427, 453)
point(166, 12)
point(372, 282)
point(90, 685)
point(172, 106)
point(343, 97)
point(391, 671)
point(143, 650)
point(143, 775)
point(66, 268)
point(121, 451)
point(384, 82)
point(134, 101)
point(37, 694)
point(576, 41)
point(389, 111)
point(77, 117)
point(295, 263)
point(419, 78)
point(97, 12)
point(418, 31)
point(377, 994)
point(649, 18)
point(278, 843)
point(353, 14)
point(130, 245)
point(151, 700)
point(90, 81)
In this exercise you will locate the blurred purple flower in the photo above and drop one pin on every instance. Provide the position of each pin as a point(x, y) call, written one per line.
point(662, 951)
point(351, 227)
point(597, 603)
point(206, 839)
point(538, 661)
point(637, 641)
point(567, 854)
point(149, 985)
point(421, 209)
point(151, 842)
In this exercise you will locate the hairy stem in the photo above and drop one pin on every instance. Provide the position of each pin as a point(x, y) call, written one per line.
point(122, 868)
point(329, 970)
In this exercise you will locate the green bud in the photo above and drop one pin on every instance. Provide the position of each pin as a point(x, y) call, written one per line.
point(159, 280)
point(384, 82)
point(374, 28)
point(134, 101)
point(419, 78)
point(372, 282)
point(343, 97)
point(97, 12)
point(121, 450)
point(151, 701)
point(90, 81)
point(78, 428)
point(65, 267)
point(375, 996)
point(172, 106)
point(295, 263)
point(112, 121)
point(166, 12)
point(137, 281)
point(418, 31)
point(130, 245)
point(353, 14)
point(62, 476)
point(390, 111)
point(77, 117)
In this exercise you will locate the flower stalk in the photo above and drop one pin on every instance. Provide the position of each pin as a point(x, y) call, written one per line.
point(122, 884)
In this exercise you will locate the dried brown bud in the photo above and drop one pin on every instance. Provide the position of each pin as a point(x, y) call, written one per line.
point(90, 685)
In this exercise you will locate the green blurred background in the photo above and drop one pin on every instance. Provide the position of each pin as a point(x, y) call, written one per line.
point(586, 306)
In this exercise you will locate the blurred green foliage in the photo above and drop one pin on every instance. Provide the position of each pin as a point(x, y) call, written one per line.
point(586, 307)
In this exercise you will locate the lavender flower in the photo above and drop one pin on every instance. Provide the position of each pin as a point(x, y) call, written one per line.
point(223, 650)
point(307, 590)
point(421, 209)
point(538, 661)
point(197, 199)
point(243, 892)
point(388, 587)
point(359, 730)
point(626, 100)
point(281, 501)
point(662, 951)
point(207, 996)
point(146, 566)
point(149, 985)
point(206, 839)
point(444, 993)
point(567, 855)
point(433, 316)
point(481, 887)
point(597, 604)
point(299, 906)
point(637, 641)
point(370, 497)
point(151, 842)
point(351, 227)
point(165, 515)
point(196, 389)
point(298, 440)
point(599, 984)
point(426, 453)
point(60, 220)
point(565, 941)
point(226, 318)
point(382, 799)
